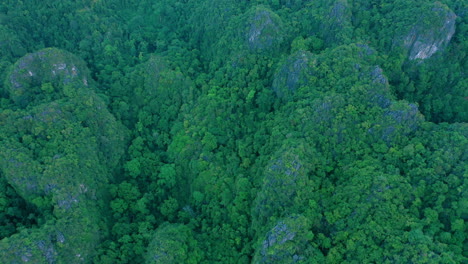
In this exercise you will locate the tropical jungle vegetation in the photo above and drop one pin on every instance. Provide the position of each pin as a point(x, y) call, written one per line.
point(233, 131)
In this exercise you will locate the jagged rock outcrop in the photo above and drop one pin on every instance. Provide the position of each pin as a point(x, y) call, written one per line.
point(45, 75)
point(283, 180)
point(306, 70)
point(379, 89)
point(293, 74)
point(288, 242)
point(257, 30)
point(399, 119)
point(431, 33)
point(336, 28)
point(57, 153)
point(264, 30)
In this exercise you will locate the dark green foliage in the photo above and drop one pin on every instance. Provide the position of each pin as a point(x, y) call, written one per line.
point(57, 154)
point(289, 241)
point(264, 30)
point(173, 244)
point(284, 184)
point(267, 131)
point(46, 75)
point(294, 73)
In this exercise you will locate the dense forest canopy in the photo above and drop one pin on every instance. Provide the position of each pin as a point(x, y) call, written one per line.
point(223, 131)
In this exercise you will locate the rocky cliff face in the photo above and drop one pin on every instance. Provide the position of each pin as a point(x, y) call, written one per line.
point(431, 33)
point(45, 75)
point(264, 30)
point(336, 29)
point(293, 74)
point(284, 177)
point(56, 153)
point(288, 242)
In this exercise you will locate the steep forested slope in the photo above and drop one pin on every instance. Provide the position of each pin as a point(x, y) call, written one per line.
point(268, 131)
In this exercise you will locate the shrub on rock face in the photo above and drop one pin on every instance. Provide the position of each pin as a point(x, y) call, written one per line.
point(57, 152)
point(336, 28)
point(232, 33)
point(46, 75)
point(171, 243)
point(294, 73)
point(264, 30)
point(432, 32)
point(303, 73)
point(399, 120)
point(379, 90)
point(284, 179)
point(289, 241)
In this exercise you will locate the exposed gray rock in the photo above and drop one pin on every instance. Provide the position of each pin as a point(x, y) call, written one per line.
point(336, 27)
point(378, 77)
point(400, 119)
point(48, 250)
point(379, 90)
point(284, 176)
point(287, 242)
point(278, 235)
point(294, 73)
point(366, 50)
point(408, 115)
point(53, 67)
point(264, 30)
point(72, 140)
point(431, 33)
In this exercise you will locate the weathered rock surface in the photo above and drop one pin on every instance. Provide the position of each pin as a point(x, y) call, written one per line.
point(294, 73)
point(432, 33)
point(57, 154)
point(288, 242)
point(306, 70)
point(283, 180)
point(264, 30)
point(336, 29)
point(379, 90)
point(44, 75)
point(400, 119)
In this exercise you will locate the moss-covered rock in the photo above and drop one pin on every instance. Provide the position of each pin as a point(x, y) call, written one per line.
point(172, 243)
point(294, 73)
point(264, 30)
point(400, 120)
point(288, 242)
point(57, 152)
point(431, 33)
point(46, 75)
point(285, 177)
point(336, 28)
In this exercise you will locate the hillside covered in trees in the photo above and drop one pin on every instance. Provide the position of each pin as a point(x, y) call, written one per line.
point(233, 131)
